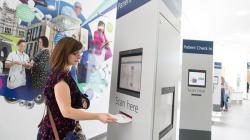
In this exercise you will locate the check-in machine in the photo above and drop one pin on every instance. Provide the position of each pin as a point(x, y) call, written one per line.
point(146, 70)
point(197, 90)
point(217, 86)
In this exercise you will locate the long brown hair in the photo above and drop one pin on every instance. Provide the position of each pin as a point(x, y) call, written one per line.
point(45, 41)
point(61, 52)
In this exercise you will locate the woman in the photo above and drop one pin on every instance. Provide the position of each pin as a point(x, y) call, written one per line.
point(100, 41)
point(224, 95)
point(41, 67)
point(63, 98)
point(17, 62)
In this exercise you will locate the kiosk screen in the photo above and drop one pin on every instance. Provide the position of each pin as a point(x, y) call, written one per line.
point(129, 74)
point(197, 78)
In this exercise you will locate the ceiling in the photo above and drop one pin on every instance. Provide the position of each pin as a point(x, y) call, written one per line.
point(226, 22)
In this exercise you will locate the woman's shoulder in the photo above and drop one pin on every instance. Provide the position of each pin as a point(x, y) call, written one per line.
point(97, 33)
point(56, 77)
point(59, 74)
point(45, 51)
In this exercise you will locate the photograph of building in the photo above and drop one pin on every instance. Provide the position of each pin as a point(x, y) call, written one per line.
point(9, 22)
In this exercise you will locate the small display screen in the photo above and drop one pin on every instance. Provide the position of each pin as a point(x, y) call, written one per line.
point(197, 78)
point(129, 75)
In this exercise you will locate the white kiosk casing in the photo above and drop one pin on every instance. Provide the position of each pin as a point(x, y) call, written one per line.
point(147, 39)
point(217, 86)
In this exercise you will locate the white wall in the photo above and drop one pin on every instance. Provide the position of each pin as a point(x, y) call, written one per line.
point(234, 61)
point(100, 102)
point(19, 122)
point(226, 27)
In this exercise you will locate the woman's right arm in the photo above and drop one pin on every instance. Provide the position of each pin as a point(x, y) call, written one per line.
point(63, 99)
point(10, 64)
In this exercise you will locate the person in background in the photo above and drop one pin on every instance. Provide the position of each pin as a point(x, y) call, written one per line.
point(41, 66)
point(63, 98)
point(74, 13)
point(247, 89)
point(100, 41)
point(87, 65)
point(17, 62)
point(73, 72)
point(224, 95)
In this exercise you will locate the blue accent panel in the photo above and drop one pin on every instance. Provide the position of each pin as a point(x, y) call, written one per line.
point(198, 47)
point(217, 65)
point(126, 6)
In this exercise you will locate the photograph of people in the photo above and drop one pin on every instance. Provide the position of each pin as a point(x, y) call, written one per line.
point(17, 61)
point(87, 65)
point(41, 67)
point(63, 98)
point(74, 13)
point(100, 41)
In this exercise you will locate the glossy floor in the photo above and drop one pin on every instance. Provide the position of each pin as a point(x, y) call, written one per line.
point(231, 125)
point(234, 124)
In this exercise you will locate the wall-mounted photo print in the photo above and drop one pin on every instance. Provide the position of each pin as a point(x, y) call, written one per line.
point(39, 25)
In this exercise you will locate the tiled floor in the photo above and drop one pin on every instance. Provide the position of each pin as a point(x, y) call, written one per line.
point(233, 125)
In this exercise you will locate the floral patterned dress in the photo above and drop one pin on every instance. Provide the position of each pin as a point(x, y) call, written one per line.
point(63, 125)
point(41, 69)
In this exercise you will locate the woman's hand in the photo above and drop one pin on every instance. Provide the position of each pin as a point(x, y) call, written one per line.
point(16, 63)
point(106, 44)
point(85, 105)
point(27, 65)
point(106, 118)
point(85, 102)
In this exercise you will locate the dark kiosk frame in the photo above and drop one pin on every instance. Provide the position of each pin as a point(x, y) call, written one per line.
point(129, 53)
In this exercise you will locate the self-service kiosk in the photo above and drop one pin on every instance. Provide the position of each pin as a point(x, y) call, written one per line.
point(196, 90)
point(146, 70)
point(217, 86)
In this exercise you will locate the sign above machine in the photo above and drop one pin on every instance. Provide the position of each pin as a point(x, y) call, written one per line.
point(126, 6)
point(198, 47)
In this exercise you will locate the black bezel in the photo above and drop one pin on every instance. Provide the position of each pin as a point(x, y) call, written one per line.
point(201, 71)
point(129, 53)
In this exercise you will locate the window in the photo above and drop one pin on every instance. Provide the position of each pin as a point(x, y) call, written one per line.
point(21, 33)
point(2, 54)
point(7, 30)
point(1, 29)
